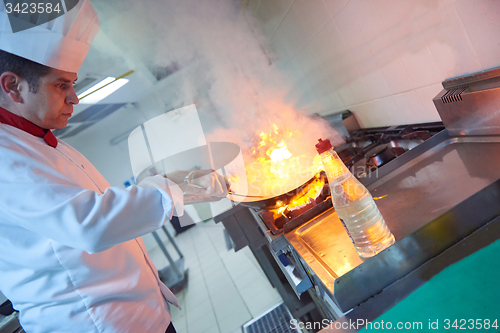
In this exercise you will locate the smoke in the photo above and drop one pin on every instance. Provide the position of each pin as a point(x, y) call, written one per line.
point(217, 60)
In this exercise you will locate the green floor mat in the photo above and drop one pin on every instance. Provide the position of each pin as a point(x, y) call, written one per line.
point(463, 297)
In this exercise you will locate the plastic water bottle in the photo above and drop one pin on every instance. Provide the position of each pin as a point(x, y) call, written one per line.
point(354, 205)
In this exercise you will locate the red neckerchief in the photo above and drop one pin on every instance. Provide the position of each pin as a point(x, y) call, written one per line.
point(8, 118)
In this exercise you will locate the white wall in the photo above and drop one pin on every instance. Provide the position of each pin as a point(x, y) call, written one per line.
point(382, 59)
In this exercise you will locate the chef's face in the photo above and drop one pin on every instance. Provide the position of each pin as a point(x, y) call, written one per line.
point(52, 105)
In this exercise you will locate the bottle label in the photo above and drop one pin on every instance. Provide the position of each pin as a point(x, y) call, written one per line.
point(347, 230)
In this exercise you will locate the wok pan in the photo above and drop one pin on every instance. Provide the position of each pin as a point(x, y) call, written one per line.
point(218, 156)
point(281, 199)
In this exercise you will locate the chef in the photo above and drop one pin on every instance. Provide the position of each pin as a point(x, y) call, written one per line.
point(71, 259)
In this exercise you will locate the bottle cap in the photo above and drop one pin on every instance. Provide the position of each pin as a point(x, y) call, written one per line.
point(323, 146)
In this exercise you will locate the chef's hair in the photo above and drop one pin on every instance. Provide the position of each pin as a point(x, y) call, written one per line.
point(27, 70)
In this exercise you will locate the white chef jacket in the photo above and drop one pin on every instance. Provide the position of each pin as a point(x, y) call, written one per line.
point(70, 256)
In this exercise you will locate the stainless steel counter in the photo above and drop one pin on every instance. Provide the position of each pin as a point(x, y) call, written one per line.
point(437, 180)
point(419, 191)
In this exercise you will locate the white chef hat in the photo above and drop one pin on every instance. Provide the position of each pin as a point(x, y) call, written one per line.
point(61, 43)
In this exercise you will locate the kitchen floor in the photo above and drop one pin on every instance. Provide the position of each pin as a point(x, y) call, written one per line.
point(225, 289)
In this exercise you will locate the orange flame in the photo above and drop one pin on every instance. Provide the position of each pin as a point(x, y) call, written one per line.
point(274, 161)
point(311, 193)
point(306, 196)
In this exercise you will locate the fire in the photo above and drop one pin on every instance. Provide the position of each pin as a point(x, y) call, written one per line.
point(278, 157)
point(310, 193)
point(306, 196)
point(277, 162)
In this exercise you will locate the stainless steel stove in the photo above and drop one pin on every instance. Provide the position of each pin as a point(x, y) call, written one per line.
point(436, 188)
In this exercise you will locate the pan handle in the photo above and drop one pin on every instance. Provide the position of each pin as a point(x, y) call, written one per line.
point(194, 199)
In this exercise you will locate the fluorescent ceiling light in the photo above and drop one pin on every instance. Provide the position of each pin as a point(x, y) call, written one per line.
point(101, 90)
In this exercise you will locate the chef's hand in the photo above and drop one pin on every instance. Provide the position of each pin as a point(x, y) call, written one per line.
point(200, 182)
point(209, 182)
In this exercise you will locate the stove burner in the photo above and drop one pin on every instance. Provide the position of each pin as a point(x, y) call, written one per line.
point(368, 149)
point(380, 155)
point(286, 220)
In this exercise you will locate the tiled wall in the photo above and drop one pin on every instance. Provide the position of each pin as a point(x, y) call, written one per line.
point(382, 59)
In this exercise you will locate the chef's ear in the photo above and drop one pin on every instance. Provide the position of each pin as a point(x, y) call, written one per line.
point(11, 86)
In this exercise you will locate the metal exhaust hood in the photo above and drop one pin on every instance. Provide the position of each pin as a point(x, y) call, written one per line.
point(470, 105)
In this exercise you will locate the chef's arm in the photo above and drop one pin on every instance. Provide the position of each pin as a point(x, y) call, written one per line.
point(85, 219)
point(38, 198)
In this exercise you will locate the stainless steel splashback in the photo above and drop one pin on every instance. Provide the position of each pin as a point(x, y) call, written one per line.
point(344, 123)
point(470, 105)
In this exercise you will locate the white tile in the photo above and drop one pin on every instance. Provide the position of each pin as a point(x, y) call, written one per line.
point(211, 302)
point(195, 281)
point(270, 14)
point(410, 108)
point(199, 309)
point(259, 287)
point(200, 321)
point(312, 16)
point(373, 83)
point(314, 85)
point(418, 61)
point(396, 17)
point(447, 41)
point(359, 89)
point(341, 74)
point(422, 8)
point(216, 276)
point(207, 253)
point(197, 290)
point(391, 67)
point(219, 286)
point(234, 322)
point(289, 37)
point(213, 329)
point(227, 304)
point(223, 288)
point(349, 24)
point(336, 63)
point(382, 112)
point(218, 239)
point(248, 277)
point(369, 20)
point(328, 44)
point(429, 112)
point(336, 101)
point(259, 304)
point(335, 6)
point(237, 271)
point(480, 19)
point(300, 86)
point(281, 52)
point(210, 261)
point(195, 272)
point(196, 299)
point(253, 5)
point(346, 95)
